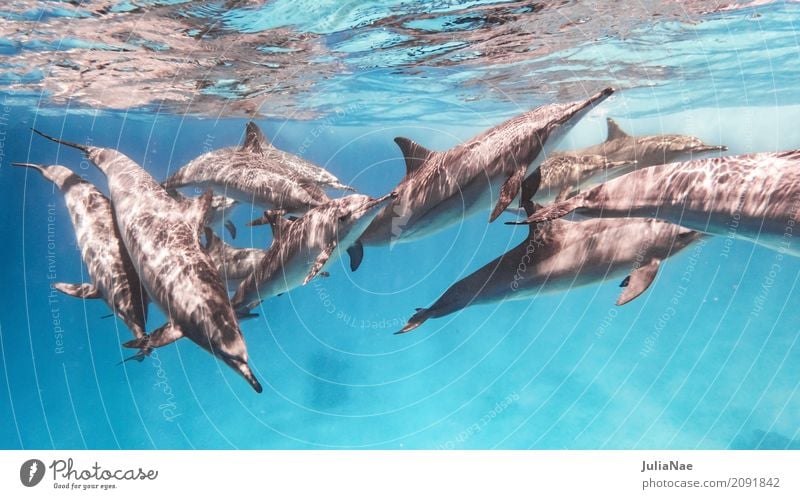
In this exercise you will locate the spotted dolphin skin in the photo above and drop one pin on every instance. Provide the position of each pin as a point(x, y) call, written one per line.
point(562, 255)
point(303, 248)
point(113, 276)
point(441, 188)
point(162, 236)
point(752, 196)
point(646, 150)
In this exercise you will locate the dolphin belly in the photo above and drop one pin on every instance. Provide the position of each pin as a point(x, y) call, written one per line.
point(476, 196)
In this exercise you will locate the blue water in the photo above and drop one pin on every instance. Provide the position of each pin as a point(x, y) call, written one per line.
point(707, 358)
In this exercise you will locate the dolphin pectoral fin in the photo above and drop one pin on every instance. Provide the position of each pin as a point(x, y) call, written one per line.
point(231, 228)
point(320, 262)
point(414, 154)
point(166, 334)
point(639, 280)
point(356, 253)
point(243, 316)
point(614, 131)
point(508, 192)
point(530, 186)
point(85, 290)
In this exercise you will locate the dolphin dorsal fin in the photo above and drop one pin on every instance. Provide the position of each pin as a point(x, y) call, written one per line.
point(254, 139)
point(197, 210)
point(614, 131)
point(414, 154)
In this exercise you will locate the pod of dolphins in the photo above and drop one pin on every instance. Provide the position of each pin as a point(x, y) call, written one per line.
point(634, 207)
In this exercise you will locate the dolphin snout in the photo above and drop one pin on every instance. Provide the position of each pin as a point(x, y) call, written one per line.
point(381, 201)
point(708, 148)
point(242, 368)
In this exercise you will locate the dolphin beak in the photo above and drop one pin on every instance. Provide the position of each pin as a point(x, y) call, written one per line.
point(579, 109)
point(243, 369)
point(706, 148)
point(379, 202)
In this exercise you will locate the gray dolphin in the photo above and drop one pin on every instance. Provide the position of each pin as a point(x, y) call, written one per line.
point(233, 264)
point(646, 150)
point(162, 235)
point(113, 276)
point(257, 173)
point(562, 176)
point(302, 248)
point(441, 188)
point(751, 196)
point(563, 255)
point(272, 157)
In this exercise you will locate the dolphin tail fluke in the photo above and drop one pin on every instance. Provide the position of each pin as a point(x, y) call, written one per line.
point(80, 147)
point(416, 320)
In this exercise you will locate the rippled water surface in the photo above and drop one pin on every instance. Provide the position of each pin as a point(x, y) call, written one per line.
point(706, 358)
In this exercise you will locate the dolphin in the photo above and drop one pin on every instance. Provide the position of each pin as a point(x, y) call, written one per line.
point(440, 188)
point(112, 274)
point(272, 157)
point(646, 150)
point(303, 248)
point(562, 255)
point(257, 173)
point(561, 176)
point(162, 236)
point(233, 264)
point(751, 196)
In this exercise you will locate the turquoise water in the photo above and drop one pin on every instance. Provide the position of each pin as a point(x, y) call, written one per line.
point(707, 358)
